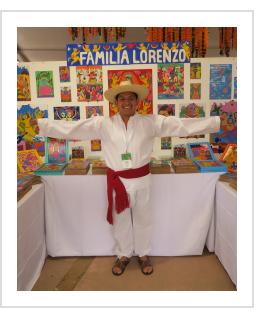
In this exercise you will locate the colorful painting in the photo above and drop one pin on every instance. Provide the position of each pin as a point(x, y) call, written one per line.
point(77, 152)
point(27, 126)
point(165, 143)
point(65, 94)
point(89, 83)
point(228, 129)
point(64, 74)
point(45, 86)
point(28, 160)
point(235, 88)
point(56, 150)
point(166, 109)
point(229, 157)
point(21, 145)
point(67, 113)
point(138, 76)
point(94, 111)
point(195, 72)
point(96, 145)
point(171, 81)
point(195, 91)
point(192, 111)
point(23, 84)
point(220, 81)
point(200, 151)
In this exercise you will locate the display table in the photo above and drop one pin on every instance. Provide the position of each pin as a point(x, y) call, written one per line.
point(75, 210)
point(226, 228)
point(31, 247)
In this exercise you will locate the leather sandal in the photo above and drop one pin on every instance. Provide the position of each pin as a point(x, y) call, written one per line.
point(120, 263)
point(145, 262)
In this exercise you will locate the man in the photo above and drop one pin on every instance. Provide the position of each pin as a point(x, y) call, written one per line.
point(127, 144)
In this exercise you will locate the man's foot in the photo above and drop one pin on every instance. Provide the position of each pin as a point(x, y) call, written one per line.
point(120, 265)
point(145, 265)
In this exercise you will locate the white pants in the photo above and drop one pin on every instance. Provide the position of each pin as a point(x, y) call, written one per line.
point(132, 227)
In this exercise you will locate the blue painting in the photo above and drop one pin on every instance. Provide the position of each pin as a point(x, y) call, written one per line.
point(235, 88)
point(220, 81)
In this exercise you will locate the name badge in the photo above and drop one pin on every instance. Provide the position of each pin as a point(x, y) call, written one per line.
point(126, 160)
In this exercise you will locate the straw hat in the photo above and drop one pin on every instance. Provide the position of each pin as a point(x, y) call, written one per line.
point(126, 86)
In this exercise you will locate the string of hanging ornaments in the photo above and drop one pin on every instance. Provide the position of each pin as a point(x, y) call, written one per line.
point(198, 38)
point(227, 40)
point(85, 35)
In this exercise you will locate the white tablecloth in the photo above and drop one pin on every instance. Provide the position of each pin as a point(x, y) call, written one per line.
point(75, 209)
point(31, 247)
point(226, 228)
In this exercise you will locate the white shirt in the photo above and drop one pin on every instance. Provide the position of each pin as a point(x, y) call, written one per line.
point(137, 139)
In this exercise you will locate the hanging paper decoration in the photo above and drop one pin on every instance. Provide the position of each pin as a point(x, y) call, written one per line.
point(86, 34)
point(227, 40)
point(197, 37)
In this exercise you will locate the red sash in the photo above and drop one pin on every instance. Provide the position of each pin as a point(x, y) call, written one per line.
point(114, 183)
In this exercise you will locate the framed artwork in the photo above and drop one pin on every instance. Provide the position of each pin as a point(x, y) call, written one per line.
point(77, 152)
point(96, 145)
point(229, 157)
point(228, 128)
point(28, 160)
point(94, 111)
point(56, 150)
point(66, 113)
point(64, 74)
point(23, 84)
point(166, 109)
point(45, 86)
point(171, 81)
point(195, 71)
point(65, 94)
point(165, 143)
point(195, 91)
point(89, 83)
point(137, 76)
point(220, 81)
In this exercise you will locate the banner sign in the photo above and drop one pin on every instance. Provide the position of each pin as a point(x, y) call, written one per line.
point(128, 53)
